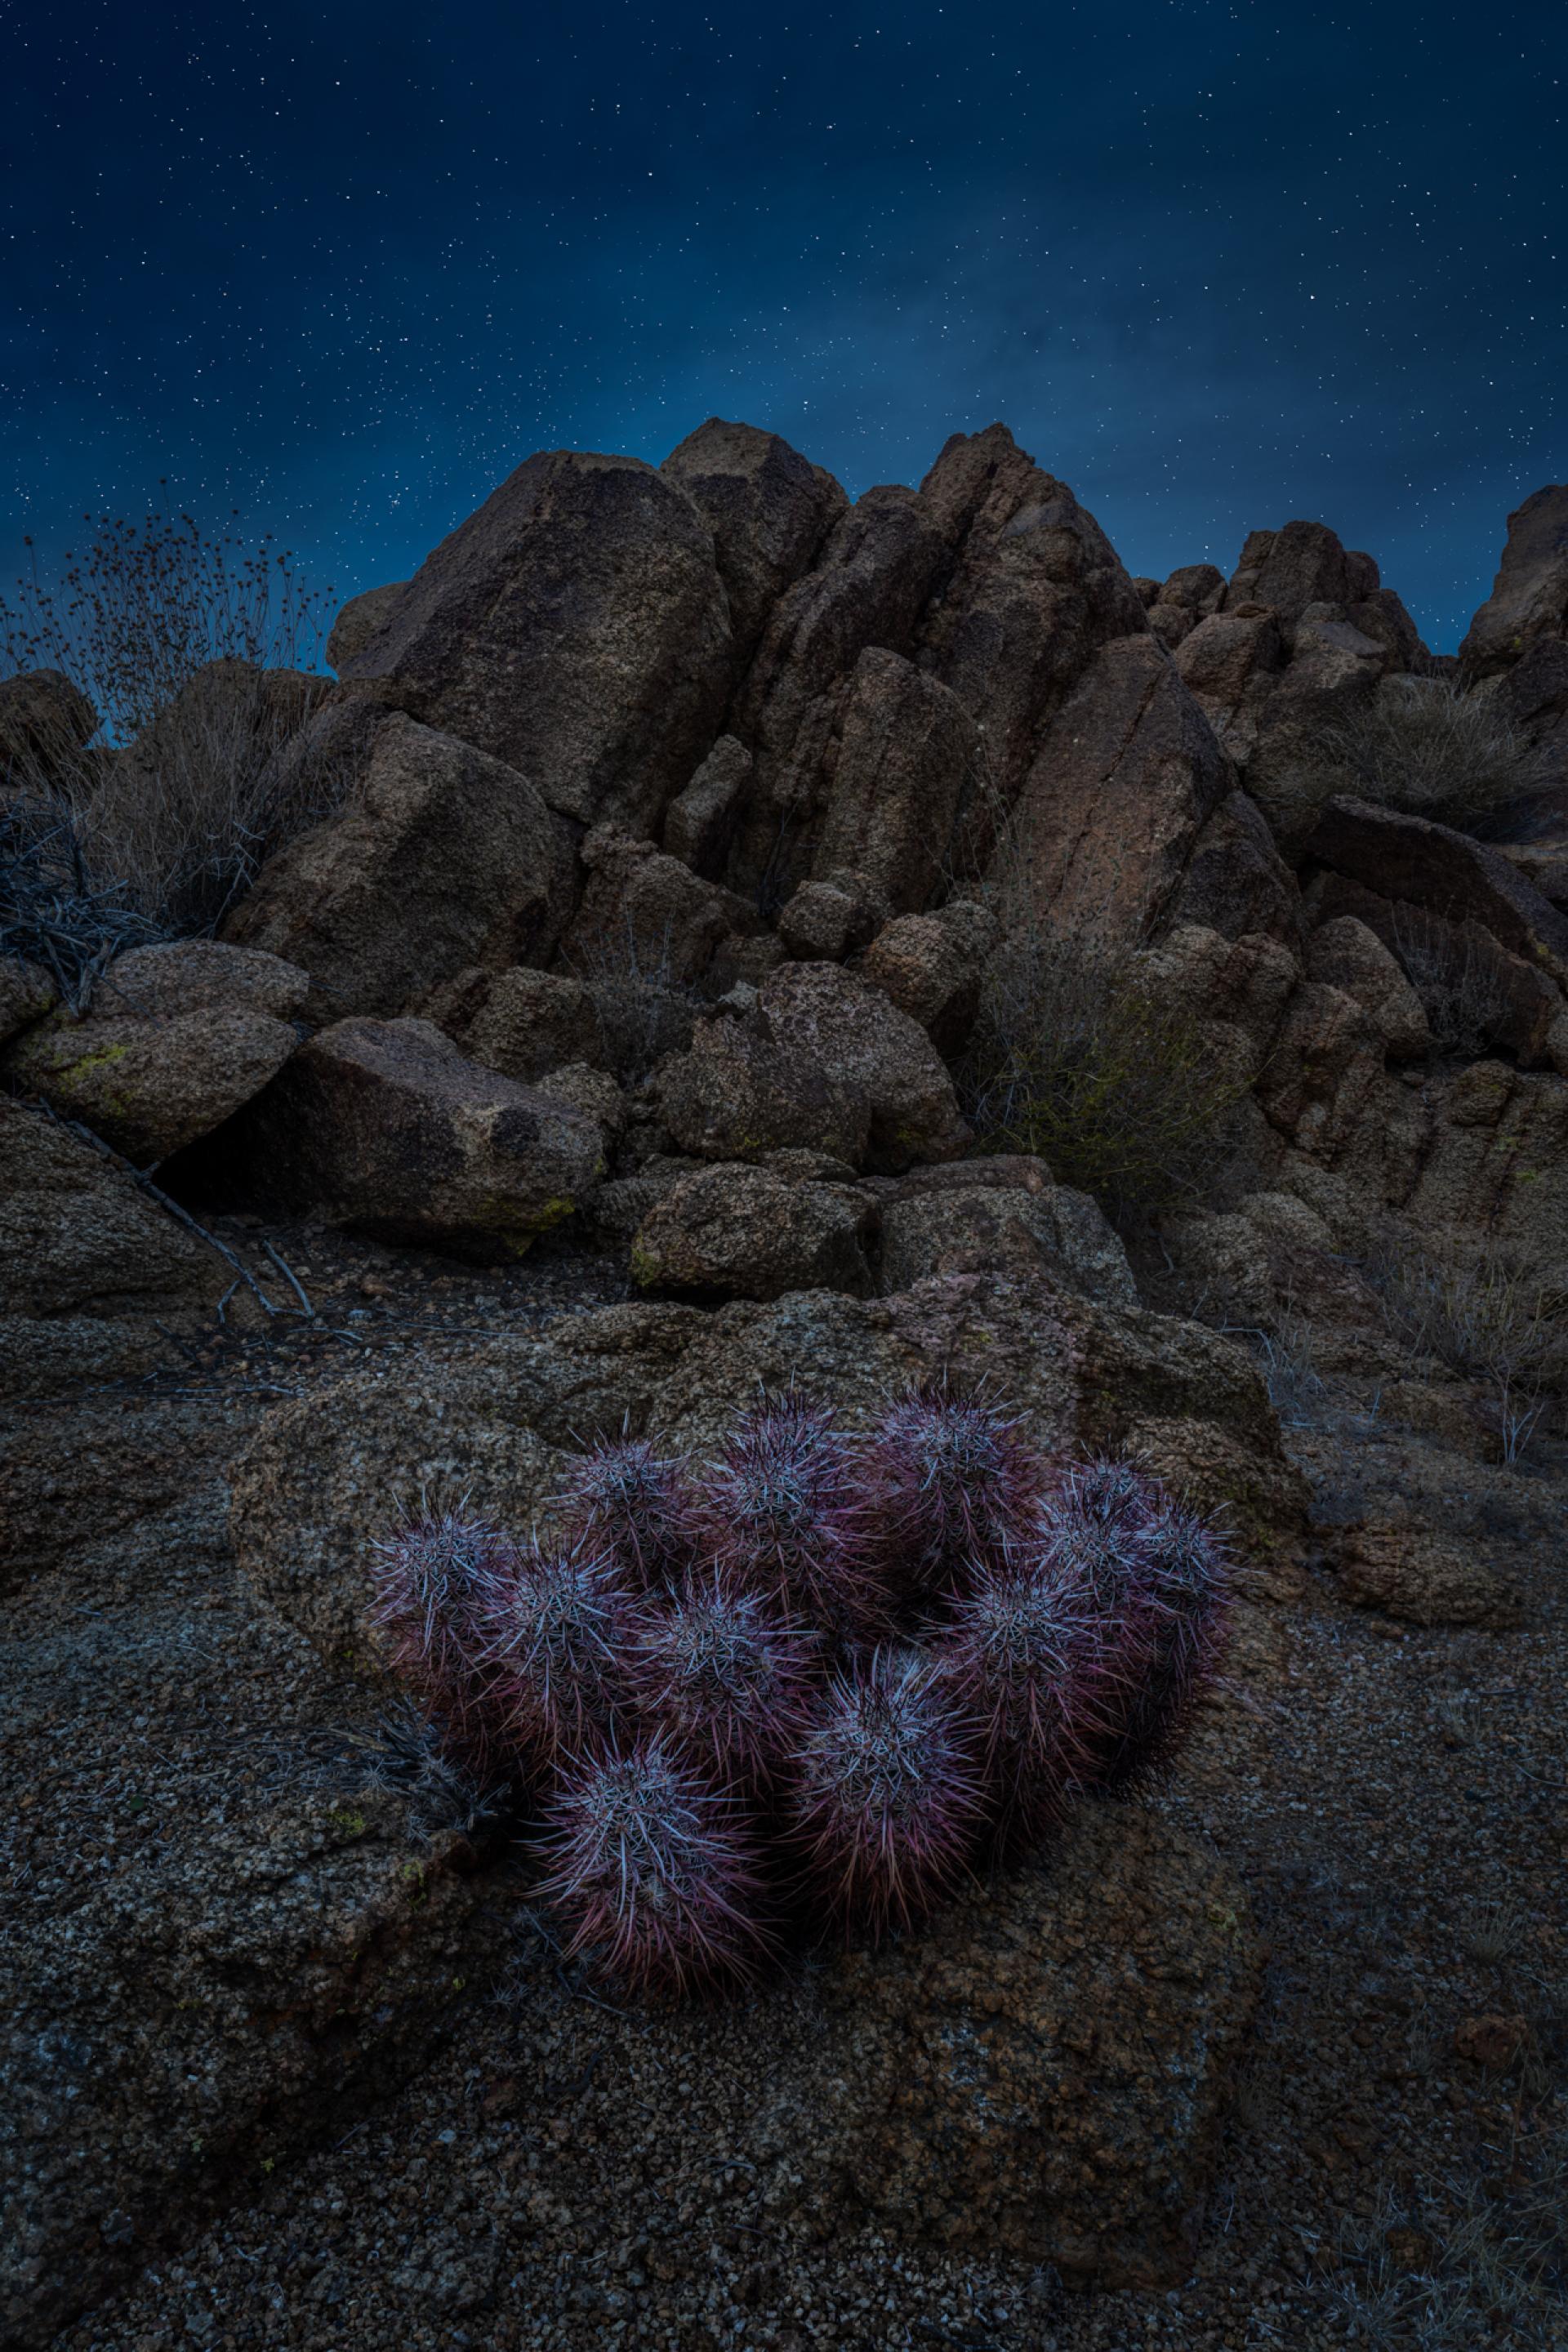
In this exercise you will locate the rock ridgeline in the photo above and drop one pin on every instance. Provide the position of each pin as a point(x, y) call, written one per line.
point(709, 730)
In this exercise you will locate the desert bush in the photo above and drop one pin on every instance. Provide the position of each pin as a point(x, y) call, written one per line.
point(191, 650)
point(646, 1009)
point(1488, 1317)
point(53, 912)
point(1452, 968)
point(1425, 746)
point(1078, 1057)
point(804, 1686)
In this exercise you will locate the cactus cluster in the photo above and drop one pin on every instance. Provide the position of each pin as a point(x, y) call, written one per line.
point(812, 1682)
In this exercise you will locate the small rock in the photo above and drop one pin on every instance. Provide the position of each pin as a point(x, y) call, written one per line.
point(1421, 1578)
point(1490, 2041)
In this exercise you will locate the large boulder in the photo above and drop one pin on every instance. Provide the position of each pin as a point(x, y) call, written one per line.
point(1530, 594)
point(358, 622)
point(520, 1021)
point(89, 1266)
point(699, 822)
point(575, 627)
point(769, 509)
point(1003, 1214)
point(739, 1231)
point(1042, 2072)
point(932, 966)
point(905, 760)
point(1447, 873)
point(1302, 563)
point(321, 1475)
point(1347, 954)
point(820, 1060)
point(177, 1037)
point(384, 1126)
point(440, 857)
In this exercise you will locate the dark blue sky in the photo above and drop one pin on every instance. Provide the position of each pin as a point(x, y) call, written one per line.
point(1216, 265)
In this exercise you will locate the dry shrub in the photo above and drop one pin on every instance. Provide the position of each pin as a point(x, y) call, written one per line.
point(1427, 746)
point(192, 653)
point(1079, 1057)
point(646, 1008)
point(1488, 1317)
point(1452, 968)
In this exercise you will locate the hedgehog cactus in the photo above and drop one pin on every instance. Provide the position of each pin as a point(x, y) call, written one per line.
point(1154, 1581)
point(784, 1512)
point(652, 1873)
point(888, 1799)
point(433, 1583)
point(558, 1626)
point(1016, 1657)
point(632, 1506)
point(718, 1674)
point(952, 1483)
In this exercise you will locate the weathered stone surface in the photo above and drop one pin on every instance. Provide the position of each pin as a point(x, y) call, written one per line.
point(519, 1021)
point(1042, 2072)
point(822, 1059)
point(906, 756)
point(88, 1263)
point(1003, 1215)
point(27, 993)
point(932, 967)
point(768, 507)
point(1449, 873)
point(173, 2022)
point(1530, 594)
point(1346, 955)
point(1117, 796)
point(1407, 1571)
point(358, 622)
point(869, 587)
point(739, 1231)
point(701, 820)
point(645, 915)
point(383, 1125)
point(177, 1037)
point(575, 627)
point(440, 858)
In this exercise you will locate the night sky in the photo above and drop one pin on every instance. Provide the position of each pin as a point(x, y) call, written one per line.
point(343, 267)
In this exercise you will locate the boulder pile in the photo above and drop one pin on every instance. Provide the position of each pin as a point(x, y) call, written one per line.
point(677, 813)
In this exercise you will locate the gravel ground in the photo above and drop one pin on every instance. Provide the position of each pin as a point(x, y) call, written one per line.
point(1395, 2169)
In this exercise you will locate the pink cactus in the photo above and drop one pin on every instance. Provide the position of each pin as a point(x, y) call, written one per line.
point(950, 1482)
point(653, 1874)
point(634, 1508)
point(887, 1798)
point(723, 1678)
point(784, 1512)
point(432, 1585)
point(1019, 1658)
point(558, 1625)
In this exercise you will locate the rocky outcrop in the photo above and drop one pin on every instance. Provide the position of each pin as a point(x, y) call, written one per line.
point(820, 1060)
point(700, 822)
point(176, 1038)
point(1529, 595)
point(1447, 873)
point(89, 1266)
point(383, 1125)
point(769, 509)
point(576, 628)
point(905, 759)
point(741, 1231)
point(441, 858)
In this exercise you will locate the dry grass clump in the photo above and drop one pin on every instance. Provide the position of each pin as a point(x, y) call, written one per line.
point(1076, 1057)
point(1452, 968)
point(646, 1008)
point(191, 653)
point(1425, 746)
point(1488, 1317)
point(53, 913)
